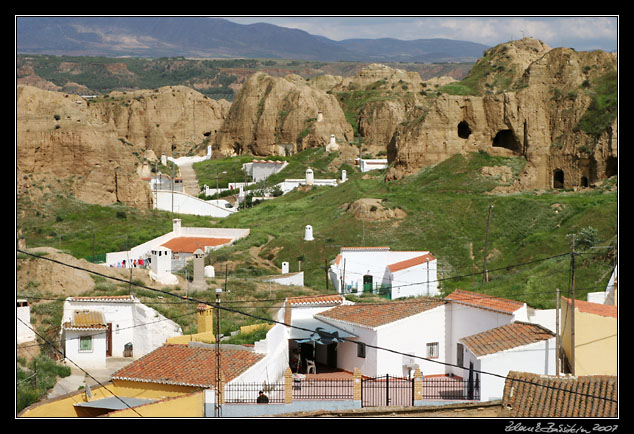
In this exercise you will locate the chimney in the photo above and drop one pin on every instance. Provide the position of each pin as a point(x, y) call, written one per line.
point(205, 318)
point(176, 226)
point(285, 267)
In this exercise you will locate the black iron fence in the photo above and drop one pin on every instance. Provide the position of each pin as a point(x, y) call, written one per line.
point(249, 393)
point(386, 391)
point(375, 392)
point(323, 389)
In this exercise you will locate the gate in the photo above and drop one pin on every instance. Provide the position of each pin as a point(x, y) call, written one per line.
point(386, 391)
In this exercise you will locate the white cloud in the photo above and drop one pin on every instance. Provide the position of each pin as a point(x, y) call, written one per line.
point(580, 33)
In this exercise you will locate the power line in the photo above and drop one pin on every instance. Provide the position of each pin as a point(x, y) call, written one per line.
point(78, 367)
point(219, 307)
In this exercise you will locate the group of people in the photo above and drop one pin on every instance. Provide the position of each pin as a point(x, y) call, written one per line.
point(135, 263)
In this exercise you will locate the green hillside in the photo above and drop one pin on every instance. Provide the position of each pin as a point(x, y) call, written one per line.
point(446, 209)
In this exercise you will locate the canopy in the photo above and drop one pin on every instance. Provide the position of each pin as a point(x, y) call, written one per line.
point(313, 330)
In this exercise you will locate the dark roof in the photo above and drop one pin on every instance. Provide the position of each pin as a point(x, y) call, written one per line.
point(533, 395)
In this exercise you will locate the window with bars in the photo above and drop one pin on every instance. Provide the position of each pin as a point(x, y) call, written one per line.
point(432, 350)
point(85, 343)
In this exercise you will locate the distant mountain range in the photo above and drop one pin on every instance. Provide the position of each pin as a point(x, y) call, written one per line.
point(220, 38)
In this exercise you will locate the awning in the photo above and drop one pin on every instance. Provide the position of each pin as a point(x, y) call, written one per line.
point(313, 330)
point(114, 403)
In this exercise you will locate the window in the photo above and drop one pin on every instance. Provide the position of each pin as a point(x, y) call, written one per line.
point(432, 350)
point(361, 350)
point(85, 343)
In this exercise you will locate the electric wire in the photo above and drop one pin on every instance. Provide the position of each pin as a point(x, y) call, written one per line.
point(218, 306)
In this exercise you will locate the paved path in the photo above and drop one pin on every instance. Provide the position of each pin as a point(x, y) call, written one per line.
point(190, 181)
point(94, 377)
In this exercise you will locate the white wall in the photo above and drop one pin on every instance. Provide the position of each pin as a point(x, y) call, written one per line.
point(23, 331)
point(182, 203)
point(93, 359)
point(291, 279)
point(463, 321)
point(415, 281)
point(536, 358)
point(132, 322)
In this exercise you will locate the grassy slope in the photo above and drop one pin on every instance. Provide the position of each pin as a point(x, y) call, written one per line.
point(446, 207)
point(447, 211)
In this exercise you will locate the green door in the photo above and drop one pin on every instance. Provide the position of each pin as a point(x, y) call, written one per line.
point(367, 283)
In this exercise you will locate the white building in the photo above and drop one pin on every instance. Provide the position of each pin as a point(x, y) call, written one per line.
point(367, 165)
point(520, 346)
point(292, 183)
point(94, 328)
point(402, 273)
point(405, 327)
point(23, 330)
point(259, 170)
point(181, 241)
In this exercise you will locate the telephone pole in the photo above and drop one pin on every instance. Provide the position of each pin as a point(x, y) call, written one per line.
point(218, 411)
point(572, 326)
point(485, 275)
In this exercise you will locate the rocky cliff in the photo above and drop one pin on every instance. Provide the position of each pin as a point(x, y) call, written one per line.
point(279, 116)
point(533, 107)
point(523, 98)
point(103, 146)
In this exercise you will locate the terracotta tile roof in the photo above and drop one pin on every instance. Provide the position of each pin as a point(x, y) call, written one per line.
point(105, 298)
point(594, 308)
point(86, 320)
point(190, 244)
point(533, 395)
point(484, 301)
point(187, 366)
point(410, 262)
point(374, 315)
point(506, 337)
point(316, 299)
point(353, 249)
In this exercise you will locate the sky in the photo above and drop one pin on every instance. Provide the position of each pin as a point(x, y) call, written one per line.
point(582, 33)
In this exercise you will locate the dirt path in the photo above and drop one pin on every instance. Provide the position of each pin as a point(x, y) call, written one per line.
point(190, 181)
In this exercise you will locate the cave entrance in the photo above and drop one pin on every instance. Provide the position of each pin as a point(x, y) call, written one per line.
point(611, 167)
point(506, 139)
point(584, 181)
point(558, 178)
point(463, 130)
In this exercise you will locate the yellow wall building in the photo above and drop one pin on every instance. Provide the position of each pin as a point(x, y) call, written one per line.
point(595, 337)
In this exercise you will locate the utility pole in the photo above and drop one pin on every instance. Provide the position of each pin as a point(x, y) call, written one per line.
point(572, 327)
point(218, 412)
point(326, 270)
point(557, 335)
point(485, 276)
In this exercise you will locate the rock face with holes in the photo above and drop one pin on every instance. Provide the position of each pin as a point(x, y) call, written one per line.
point(536, 118)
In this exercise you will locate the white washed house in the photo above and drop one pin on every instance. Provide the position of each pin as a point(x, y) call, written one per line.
point(402, 273)
point(413, 327)
point(94, 328)
point(180, 241)
point(520, 346)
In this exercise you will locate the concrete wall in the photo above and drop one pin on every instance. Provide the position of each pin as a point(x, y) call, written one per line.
point(182, 203)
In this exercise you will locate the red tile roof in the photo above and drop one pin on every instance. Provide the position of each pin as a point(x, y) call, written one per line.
point(190, 244)
point(410, 262)
point(316, 299)
point(104, 298)
point(187, 366)
point(540, 396)
point(484, 301)
point(377, 314)
point(506, 337)
point(594, 308)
